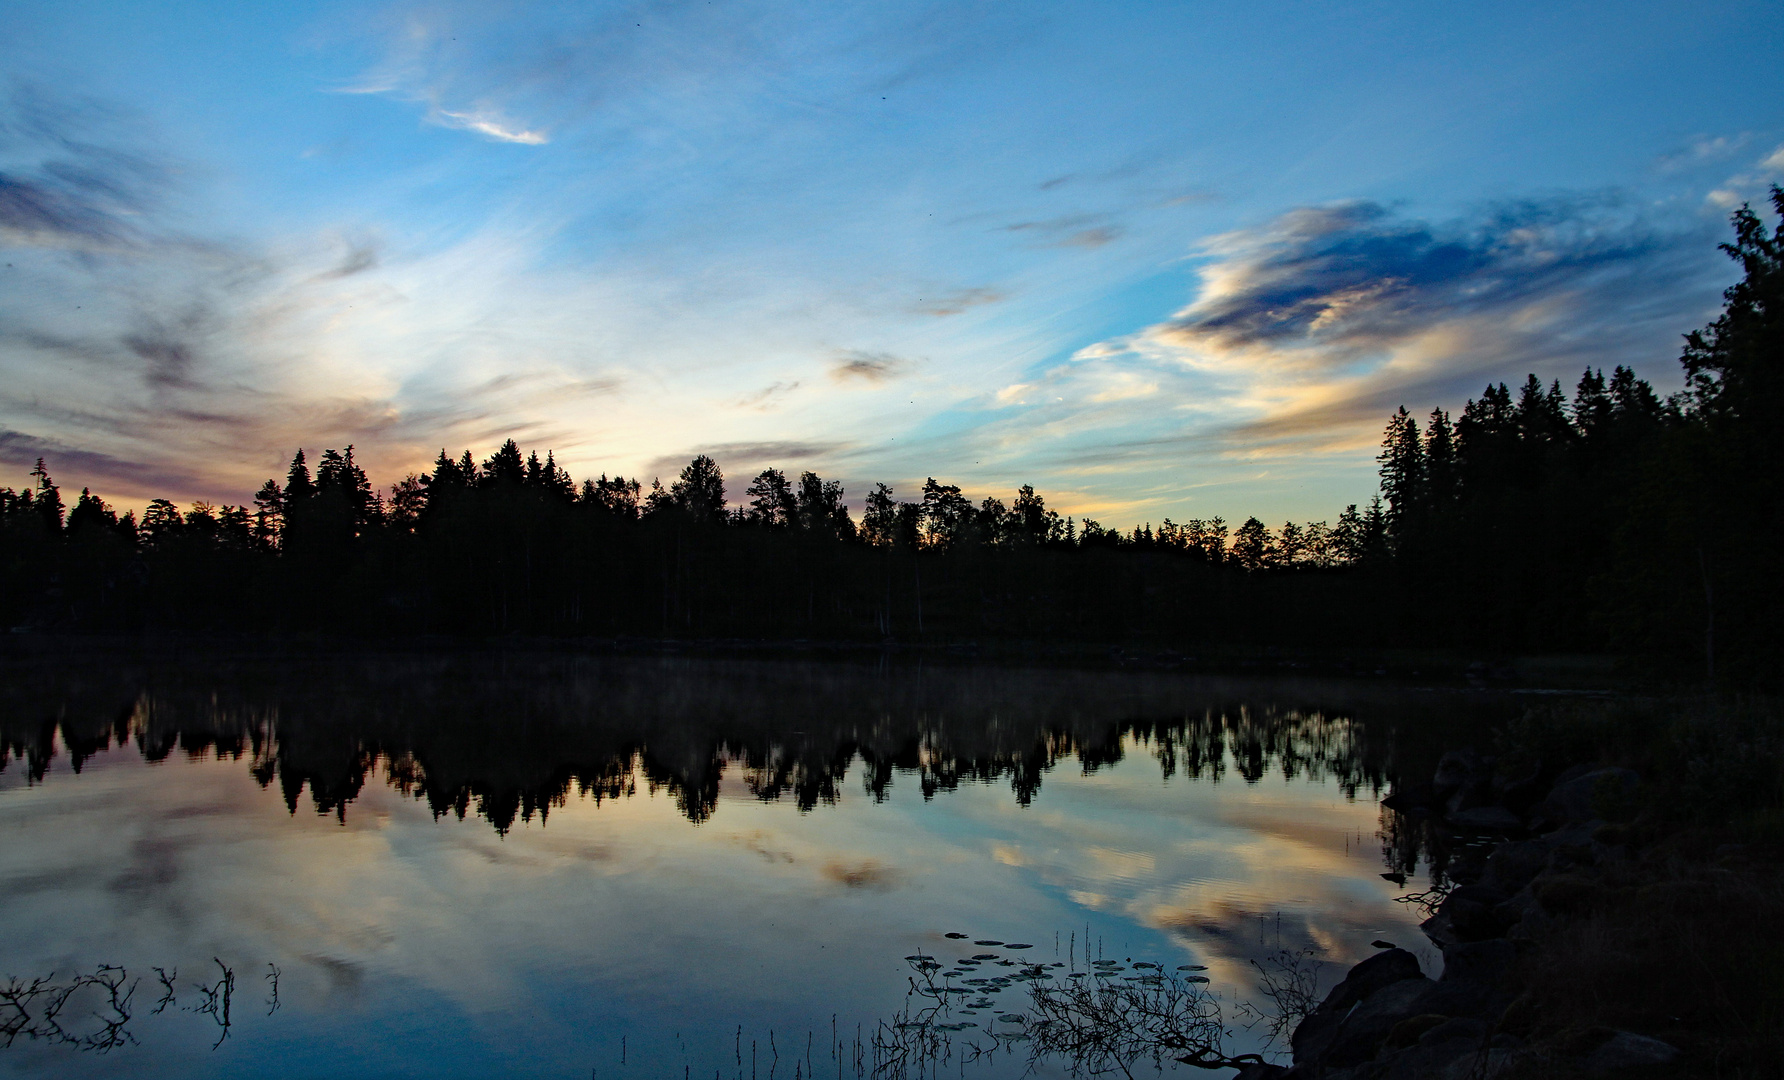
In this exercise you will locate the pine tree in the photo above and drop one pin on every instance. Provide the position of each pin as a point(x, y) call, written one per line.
point(298, 486)
point(1402, 461)
point(505, 467)
point(48, 501)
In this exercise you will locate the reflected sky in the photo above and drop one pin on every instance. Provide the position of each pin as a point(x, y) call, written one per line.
point(413, 943)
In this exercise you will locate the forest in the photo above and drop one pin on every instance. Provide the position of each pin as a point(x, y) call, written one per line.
point(1608, 519)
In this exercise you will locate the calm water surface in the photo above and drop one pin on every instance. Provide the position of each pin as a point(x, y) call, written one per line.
point(648, 867)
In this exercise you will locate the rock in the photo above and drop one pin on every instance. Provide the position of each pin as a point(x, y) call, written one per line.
point(1471, 920)
point(1567, 894)
point(1362, 1032)
point(1407, 797)
point(1626, 1050)
point(1471, 913)
point(1479, 961)
point(1513, 864)
point(1426, 1059)
point(1460, 1027)
point(1381, 970)
point(1486, 819)
point(1441, 931)
point(1315, 1034)
point(1583, 797)
point(1456, 769)
point(1408, 1031)
point(1487, 1065)
point(1465, 998)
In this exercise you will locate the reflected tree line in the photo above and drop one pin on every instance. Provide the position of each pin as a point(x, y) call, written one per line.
point(528, 736)
point(1607, 518)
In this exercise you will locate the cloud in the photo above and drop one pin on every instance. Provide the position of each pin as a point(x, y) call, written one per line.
point(1305, 332)
point(958, 301)
point(490, 123)
point(1703, 150)
point(767, 398)
point(1748, 186)
point(747, 458)
point(1071, 230)
point(94, 468)
point(1093, 238)
point(359, 258)
point(868, 367)
point(60, 186)
point(1356, 277)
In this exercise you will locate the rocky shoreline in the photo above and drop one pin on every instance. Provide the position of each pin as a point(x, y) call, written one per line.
point(1546, 841)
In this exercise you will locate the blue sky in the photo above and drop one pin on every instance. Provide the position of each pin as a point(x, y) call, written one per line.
point(1157, 259)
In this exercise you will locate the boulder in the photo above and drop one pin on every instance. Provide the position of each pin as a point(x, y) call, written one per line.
point(1367, 1026)
point(1315, 1034)
point(1411, 1029)
point(1627, 1050)
point(1478, 961)
point(1383, 969)
point(1496, 820)
point(1471, 914)
point(1465, 998)
point(1581, 798)
point(1408, 797)
point(1456, 769)
point(1514, 863)
point(1567, 894)
point(1485, 1065)
point(1459, 1027)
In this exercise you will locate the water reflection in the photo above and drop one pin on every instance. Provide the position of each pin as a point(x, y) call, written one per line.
point(519, 737)
point(517, 866)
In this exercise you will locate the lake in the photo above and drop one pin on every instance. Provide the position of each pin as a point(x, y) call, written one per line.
point(535, 865)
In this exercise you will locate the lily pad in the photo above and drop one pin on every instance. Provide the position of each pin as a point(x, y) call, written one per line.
point(1012, 1018)
point(956, 937)
point(1192, 967)
point(1196, 978)
point(985, 956)
point(987, 943)
point(919, 956)
point(1018, 945)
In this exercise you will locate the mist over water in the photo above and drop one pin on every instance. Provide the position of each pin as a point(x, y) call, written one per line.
point(520, 864)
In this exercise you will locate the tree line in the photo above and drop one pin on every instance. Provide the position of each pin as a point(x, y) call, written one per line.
point(1606, 520)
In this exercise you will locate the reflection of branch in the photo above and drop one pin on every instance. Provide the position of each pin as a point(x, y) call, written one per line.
point(272, 977)
point(215, 1000)
point(1103, 1023)
point(167, 979)
point(1291, 983)
point(116, 1012)
point(33, 1010)
point(1099, 1022)
point(1428, 901)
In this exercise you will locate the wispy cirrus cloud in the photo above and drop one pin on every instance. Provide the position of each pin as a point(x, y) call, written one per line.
point(488, 122)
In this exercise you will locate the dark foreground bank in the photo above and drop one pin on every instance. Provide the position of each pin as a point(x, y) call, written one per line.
point(1606, 898)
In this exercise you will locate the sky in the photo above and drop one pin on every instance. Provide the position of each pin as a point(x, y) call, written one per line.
point(1156, 259)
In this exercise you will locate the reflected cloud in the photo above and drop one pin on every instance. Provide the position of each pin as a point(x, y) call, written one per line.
point(863, 875)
